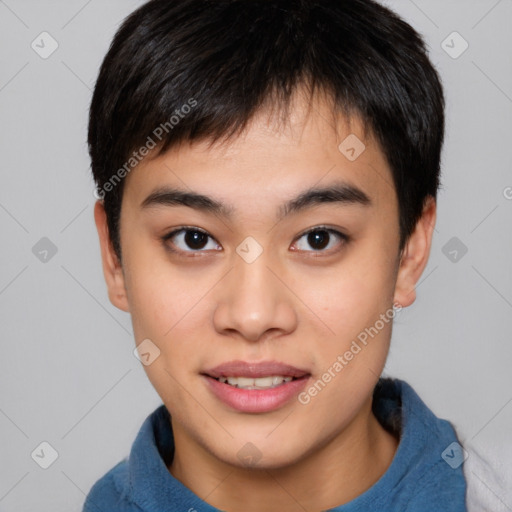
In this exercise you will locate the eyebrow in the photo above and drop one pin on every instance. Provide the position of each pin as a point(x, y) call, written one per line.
point(341, 193)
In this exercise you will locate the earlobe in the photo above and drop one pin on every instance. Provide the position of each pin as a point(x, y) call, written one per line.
point(112, 269)
point(415, 255)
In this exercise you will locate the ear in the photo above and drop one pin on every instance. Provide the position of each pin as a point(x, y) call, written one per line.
point(415, 255)
point(112, 269)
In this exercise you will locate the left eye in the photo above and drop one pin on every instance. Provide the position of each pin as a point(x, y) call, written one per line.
point(321, 238)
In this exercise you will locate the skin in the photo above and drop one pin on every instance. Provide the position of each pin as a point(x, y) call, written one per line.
point(293, 304)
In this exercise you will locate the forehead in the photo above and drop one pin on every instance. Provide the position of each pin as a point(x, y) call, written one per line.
point(274, 158)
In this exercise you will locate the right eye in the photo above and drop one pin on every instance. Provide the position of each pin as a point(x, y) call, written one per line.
point(188, 240)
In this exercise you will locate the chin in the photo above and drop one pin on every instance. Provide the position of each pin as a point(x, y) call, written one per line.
point(260, 453)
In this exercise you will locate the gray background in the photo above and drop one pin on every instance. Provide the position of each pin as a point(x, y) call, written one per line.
point(67, 372)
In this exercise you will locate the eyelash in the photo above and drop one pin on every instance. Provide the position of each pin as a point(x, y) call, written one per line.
point(344, 239)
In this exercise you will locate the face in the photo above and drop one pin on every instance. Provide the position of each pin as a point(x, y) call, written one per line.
point(265, 276)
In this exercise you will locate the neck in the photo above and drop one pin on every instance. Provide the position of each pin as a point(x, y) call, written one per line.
point(342, 469)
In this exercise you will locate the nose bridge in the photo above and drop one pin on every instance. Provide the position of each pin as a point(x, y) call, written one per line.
point(253, 300)
point(254, 282)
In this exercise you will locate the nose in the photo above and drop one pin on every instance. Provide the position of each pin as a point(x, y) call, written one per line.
point(254, 301)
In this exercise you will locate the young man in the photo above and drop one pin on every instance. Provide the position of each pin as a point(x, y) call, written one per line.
point(267, 173)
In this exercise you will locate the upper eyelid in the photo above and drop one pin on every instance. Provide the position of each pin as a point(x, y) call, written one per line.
point(186, 228)
point(320, 228)
point(200, 230)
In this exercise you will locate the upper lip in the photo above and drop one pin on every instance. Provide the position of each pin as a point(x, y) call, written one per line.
point(255, 370)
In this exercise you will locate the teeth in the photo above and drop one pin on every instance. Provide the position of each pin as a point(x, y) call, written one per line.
point(259, 383)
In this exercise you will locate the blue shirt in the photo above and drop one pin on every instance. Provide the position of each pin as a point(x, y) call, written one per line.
point(425, 474)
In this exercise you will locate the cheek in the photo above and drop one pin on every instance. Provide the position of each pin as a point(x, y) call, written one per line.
point(350, 304)
point(152, 310)
point(169, 306)
point(161, 306)
point(353, 297)
point(157, 293)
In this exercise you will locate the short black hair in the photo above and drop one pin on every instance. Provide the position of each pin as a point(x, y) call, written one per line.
point(200, 69)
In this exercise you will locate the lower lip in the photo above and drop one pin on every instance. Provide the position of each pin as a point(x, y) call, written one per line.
point(256, 400)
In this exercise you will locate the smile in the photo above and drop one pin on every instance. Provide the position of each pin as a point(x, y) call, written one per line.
point(255, 387)
point(259, 383)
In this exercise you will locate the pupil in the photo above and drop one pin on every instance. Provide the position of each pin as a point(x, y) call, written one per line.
point(318, 239)
point(195, 239)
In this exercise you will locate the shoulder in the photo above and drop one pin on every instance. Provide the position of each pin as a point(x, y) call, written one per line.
point(439, 488)
point(427, 472)
point(128, 481)
point(108, 493)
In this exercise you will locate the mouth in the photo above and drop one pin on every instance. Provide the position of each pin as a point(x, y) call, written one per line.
point(259, 383)
point(255, 387)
